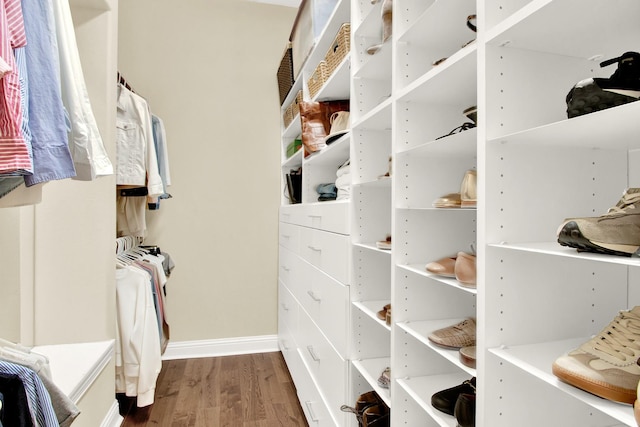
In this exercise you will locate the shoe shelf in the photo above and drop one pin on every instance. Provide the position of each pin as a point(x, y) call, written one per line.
point(420, 331)
point(556, 250)
point(378, 118)
point(371, 309)
point(610, 129)
point(458, 144)
point(534, 360)
point(438, 33)
point(420, 270)
point(542, 26)
point(421, 389)
point(430, 234)
point(370, 369)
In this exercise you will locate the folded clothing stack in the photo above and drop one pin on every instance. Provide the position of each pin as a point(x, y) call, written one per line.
point(343, 181)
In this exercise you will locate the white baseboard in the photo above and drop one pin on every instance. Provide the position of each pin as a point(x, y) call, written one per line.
point(113, 417)
point(221, 347)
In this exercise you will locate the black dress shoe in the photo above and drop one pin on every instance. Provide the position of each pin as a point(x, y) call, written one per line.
point(465, 410)
point(445, 400)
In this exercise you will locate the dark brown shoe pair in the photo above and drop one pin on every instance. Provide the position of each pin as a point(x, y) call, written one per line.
point(459, 401)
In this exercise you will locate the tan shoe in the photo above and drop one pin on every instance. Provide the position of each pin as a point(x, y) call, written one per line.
point(465, 269)
point(443, 267)
point(468, 189)
point(460, 335)
point(451, 200)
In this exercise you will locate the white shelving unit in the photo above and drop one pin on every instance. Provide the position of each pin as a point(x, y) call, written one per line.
point(314, 275)
point(534, 299)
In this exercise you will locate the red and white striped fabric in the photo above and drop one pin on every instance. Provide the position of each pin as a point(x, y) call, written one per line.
point(14, 155)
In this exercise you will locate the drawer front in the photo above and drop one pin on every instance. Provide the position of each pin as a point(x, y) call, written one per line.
point(288, 263)
point(327, 251)
point(327, 302)
point(332, 217)
point(289, 237)
point(287, 308)
point(288, 348)
point(295, 214)
point(314, 408)
point(328, 369)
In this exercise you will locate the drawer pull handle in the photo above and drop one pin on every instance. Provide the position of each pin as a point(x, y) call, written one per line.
point(285, 346)
point(286, 269)
point(313, 354)
point(285, 236)
point(308, 403)
point(315, 216)
point(285, 307)
point(313, 248)
point(314, 296)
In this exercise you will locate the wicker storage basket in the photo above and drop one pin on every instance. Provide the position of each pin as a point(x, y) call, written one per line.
point(338, 49)
point(318, 79)
point(285, 74)
point(295, 105)
point(292, 110)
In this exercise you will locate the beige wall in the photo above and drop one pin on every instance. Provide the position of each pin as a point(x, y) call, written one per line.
point(208, 69)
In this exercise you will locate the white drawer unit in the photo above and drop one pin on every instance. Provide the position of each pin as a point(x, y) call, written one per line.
point(332, 217)
point(328, 369)
point(289, 237)
point(326, 301)
point(287, 308)
point(327, 251)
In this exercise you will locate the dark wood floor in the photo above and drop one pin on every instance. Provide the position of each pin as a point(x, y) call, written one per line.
point(253, 390)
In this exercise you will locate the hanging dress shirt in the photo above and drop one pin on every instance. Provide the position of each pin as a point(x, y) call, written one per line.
point(37, 395)
point(87, 150)
point(14, 155)
point(47, 123)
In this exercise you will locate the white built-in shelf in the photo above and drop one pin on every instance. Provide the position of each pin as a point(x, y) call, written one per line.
point(294, 161)
point(334, 153)
point(74, 367)
point(338, 85)
point(420, 269)
point(379, 118)
point(542, 24)
point(371, 309)
point(371, 369)
point(612, 129)
point(459, 144)
point(422, 388)
point(555, 249)
point(421, 330)
point(537, 359)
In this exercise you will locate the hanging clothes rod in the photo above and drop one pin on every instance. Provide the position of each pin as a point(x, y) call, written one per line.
point(124, 82)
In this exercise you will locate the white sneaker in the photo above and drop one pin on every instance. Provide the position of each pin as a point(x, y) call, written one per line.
point(607, 365)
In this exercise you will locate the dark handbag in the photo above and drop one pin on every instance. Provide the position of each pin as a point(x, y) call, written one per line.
point(294, 185)
point(370, 410)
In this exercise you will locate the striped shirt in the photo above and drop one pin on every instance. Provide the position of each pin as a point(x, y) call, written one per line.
point(14, 154)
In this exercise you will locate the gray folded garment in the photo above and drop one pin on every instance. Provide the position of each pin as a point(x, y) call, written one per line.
point(327, 192)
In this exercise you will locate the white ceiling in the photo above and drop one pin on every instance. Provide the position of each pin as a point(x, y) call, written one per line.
point(290, 3)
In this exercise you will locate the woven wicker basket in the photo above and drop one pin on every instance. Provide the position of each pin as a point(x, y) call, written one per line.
point(285, 74)
point(318, 79)
point(339, 48)
point(292, 110)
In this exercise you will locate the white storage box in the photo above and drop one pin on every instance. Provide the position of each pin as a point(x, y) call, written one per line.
point(312, 17)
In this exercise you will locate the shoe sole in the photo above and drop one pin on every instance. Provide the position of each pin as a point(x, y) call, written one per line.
point(571, 236)
point(591, 98)
point(598, 388)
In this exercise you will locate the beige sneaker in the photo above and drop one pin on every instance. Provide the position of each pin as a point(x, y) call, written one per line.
point(615, 233)
point(607, 365)
point(460, 335)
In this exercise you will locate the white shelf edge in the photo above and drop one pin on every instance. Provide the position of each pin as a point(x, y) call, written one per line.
point(362, 121)
point(420, 330)
point(528, 358)
point(74, 367)
point(533, 6)
point(422, 388)
point(420, 270)
point(554, 249)
point(372, 247)
point(371, 308)
point(371, 369)
point(450, 62)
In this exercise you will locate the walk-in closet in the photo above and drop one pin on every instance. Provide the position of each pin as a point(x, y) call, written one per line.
point(319, 213)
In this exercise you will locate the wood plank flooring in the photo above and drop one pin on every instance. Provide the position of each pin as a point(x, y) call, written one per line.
point(253, 390)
